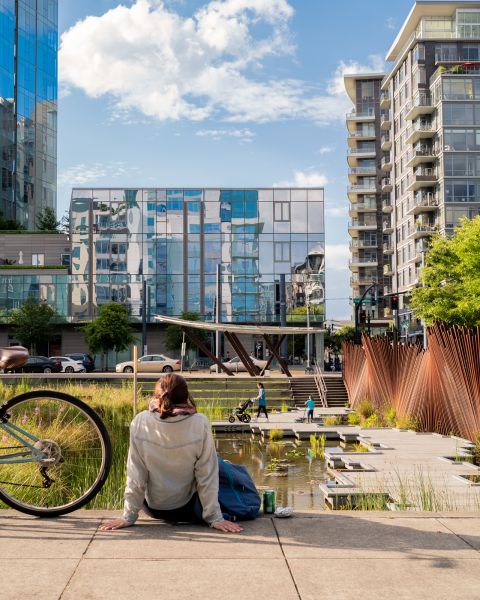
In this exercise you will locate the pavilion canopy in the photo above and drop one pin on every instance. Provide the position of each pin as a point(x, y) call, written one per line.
point(240, 329)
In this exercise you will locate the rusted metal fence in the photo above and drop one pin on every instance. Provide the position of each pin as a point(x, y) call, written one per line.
point(440, 386)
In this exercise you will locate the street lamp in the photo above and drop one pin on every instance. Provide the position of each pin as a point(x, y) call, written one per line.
point(357, 339)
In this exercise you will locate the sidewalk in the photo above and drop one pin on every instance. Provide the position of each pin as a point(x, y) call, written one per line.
point(311, 556)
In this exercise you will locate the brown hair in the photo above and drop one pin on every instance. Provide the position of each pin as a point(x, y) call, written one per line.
point(171, 392)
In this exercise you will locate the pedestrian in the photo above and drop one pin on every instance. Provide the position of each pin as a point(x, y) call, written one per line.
point(172, 467)
point(262, 401)
point(310, 406)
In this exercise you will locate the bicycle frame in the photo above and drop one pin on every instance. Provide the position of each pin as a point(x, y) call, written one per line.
point(30, 454)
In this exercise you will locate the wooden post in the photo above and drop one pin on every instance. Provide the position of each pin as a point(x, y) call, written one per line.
point(273, 350)
point(135, 372)
point(206, 351)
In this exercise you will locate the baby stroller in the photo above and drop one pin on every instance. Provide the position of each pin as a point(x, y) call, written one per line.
point(240, 412)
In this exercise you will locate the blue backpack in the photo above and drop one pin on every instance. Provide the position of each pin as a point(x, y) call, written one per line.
point(237, 494)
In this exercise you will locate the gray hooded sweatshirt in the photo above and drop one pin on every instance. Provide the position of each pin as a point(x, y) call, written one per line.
point(168, 461)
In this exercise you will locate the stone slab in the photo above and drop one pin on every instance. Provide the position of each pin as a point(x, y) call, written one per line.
point(424, 578)
point(216, 579)
point(348, 537)
point(468, 529)
point(29, 537)
point(35, 579)
point(154, 539)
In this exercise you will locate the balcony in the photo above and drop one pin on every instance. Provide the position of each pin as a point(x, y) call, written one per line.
point(360, 136)
point(386, 164)
point(422, 154)
point(354, 154)
point(357, 243)
point(386, 185)
point(360, 116)
point(358, 281)
point(354, 172)
point(420, 231)
point(387, 226)
point(357, 225)
point(421, 247)
point(421, 105)
point(387, 204)
point(362, 207)
point(444, 57)
point(420, 131)
point(422, 203)
point(385, 100)
point(388, 269)
point(387, 288)
point(423, 177)
point(361, 188)
point(386, 142)
point(388, 248)
point(385, 119)
point(357, 262)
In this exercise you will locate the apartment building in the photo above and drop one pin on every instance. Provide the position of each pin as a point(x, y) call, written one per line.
point(430, 116)
point(367, 163)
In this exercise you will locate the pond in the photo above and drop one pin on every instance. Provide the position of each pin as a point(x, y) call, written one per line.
point(289, 467)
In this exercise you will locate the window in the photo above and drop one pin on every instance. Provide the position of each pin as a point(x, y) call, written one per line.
point(461, 190)
point(458, 114)
point(282, 211)
point(367, 90)
point(38, 260)
point(282, 251)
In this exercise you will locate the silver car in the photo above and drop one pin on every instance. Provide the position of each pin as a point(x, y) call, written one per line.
point(150, 363)
point(237, 366)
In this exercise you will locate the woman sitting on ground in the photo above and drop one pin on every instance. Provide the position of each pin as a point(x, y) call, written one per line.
point(172, 462)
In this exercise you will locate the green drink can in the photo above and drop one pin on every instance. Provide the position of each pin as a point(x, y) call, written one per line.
point(269, 502)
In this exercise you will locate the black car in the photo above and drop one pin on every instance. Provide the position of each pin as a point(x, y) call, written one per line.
point(86, 360)
point(39, 364)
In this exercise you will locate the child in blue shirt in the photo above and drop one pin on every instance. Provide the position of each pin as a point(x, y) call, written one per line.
point(310, 405)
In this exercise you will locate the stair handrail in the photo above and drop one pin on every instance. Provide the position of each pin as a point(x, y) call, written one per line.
point(320, 383)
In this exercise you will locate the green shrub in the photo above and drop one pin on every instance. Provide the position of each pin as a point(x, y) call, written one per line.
point(365, 409)
point(332, 420)
point(391, 417)
point(275, 434)
point(372, 421)
point(317, 445)
point(353, 418)
point(408, 423)
point(358, 447)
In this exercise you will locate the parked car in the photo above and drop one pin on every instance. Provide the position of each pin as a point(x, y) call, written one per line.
point(39, 364)
point(150, 363)
point(69, 365)
point(85, 359)
point(236, 365)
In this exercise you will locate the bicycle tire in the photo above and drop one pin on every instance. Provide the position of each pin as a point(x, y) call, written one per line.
point(106, 455)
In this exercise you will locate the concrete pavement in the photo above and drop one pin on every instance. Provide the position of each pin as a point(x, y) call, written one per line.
point(329, 556)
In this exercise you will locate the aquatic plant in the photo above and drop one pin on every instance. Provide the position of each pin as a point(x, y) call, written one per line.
point(317, 445)
point(275, 434)
point(353, 418)
point(330, 420)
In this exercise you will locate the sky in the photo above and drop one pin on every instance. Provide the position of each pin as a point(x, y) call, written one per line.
point(198, 93)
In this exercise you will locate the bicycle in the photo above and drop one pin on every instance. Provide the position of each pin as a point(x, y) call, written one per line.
point(55, 451)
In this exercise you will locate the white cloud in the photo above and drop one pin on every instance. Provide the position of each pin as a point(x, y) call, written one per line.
point(336, 86)
point(244, 135)
point(391, 23)
point(84, 174)
point(325, 150)
point(303, 179)
point(147, 58)
point(336, 256)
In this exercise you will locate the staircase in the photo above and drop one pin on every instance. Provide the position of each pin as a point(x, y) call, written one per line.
point(302, 388)
point(337, 396)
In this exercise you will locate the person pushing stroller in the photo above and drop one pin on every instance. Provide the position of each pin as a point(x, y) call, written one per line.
point(262, 401)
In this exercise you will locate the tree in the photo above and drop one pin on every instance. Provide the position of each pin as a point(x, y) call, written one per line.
point(47, 220)
point(111, 330)
point(10, 224)
point(32, 323)
point(450, 289)
point(334, 341)
point(174, 333)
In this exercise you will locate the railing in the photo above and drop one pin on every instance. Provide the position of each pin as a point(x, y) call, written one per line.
point(386, 182)
point(362, 244)
point(360, 187)
point(425, 200)
point(320, 383)
point(362, 171)
point(371, 150)
point(364, 223)
point(421, 99)
point(386, 138)
point(359, 134)
point(370, 112)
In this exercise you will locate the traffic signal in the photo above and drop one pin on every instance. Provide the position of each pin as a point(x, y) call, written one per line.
point(394, 302)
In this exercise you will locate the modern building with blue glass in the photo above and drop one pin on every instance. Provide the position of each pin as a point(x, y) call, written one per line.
point(175, 238)
point(28, 108)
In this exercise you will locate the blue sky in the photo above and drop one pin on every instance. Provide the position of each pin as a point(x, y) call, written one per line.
point(219, 93)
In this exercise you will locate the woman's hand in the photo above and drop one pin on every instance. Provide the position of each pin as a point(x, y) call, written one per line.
point(114, 524)
point(227, 527)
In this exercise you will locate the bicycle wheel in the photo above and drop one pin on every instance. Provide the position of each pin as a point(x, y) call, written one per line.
point(76, 459)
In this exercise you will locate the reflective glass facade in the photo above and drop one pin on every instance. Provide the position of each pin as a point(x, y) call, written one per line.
point(28, 107)
point(15, 289)
point(174, 238)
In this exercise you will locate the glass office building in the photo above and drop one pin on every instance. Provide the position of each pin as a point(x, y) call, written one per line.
point(175, 238)
point(28, 108)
